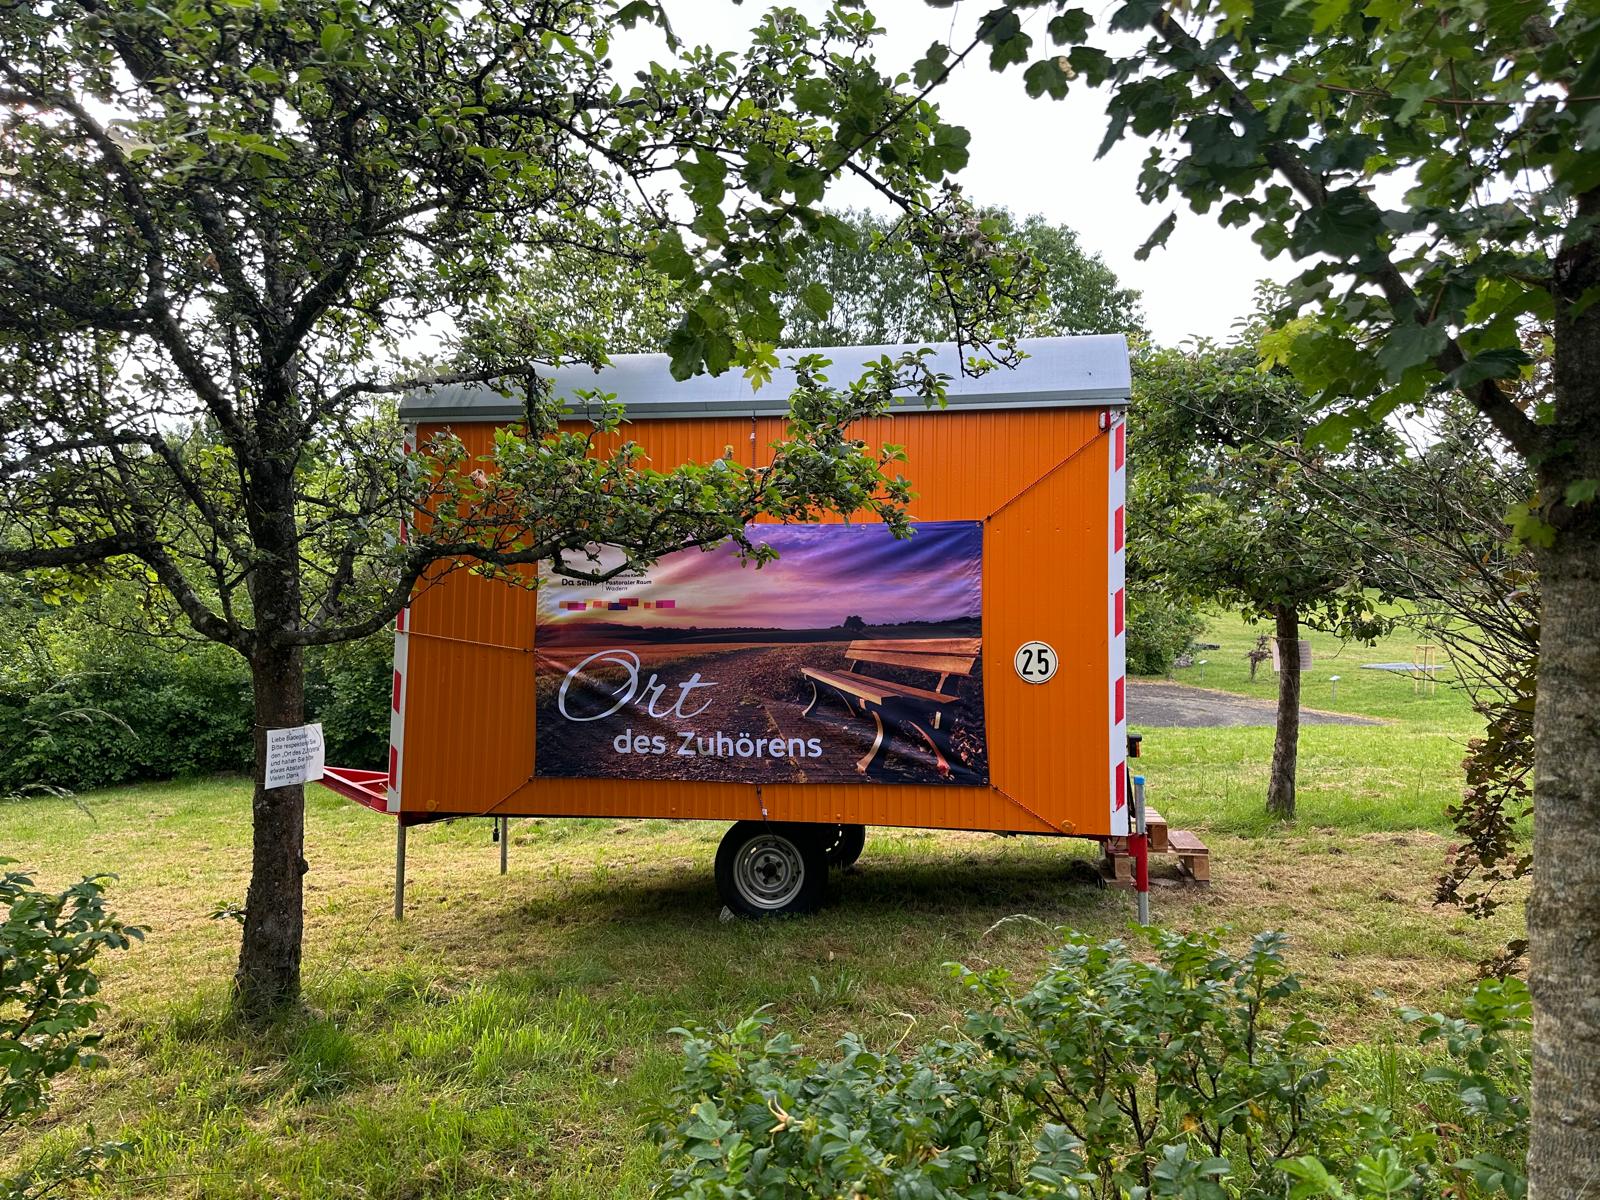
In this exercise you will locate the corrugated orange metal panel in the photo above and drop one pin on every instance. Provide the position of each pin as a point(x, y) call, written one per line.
point(1034, 477)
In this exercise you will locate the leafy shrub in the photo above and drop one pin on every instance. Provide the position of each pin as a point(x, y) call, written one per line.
point(116, 707)
point(152, 719)
point(348, 689)
point(1194, 1075)
point(1487, 1055)
point(1159, 630)
point(48, 1005)
point(1477, 1138)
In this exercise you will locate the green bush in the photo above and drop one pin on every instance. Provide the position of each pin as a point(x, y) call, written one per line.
point(130, 716)
point(1159, 630)
point(1195, 1075)
point(48, 1006)
point(1477, 1139)
point(348, 689)
point(109, 708)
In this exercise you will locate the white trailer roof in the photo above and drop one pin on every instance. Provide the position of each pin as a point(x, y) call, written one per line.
point(1059, 372)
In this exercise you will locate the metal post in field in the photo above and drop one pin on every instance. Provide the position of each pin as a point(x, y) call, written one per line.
point(400, 870)
point(505, 840)
point(1140, 845)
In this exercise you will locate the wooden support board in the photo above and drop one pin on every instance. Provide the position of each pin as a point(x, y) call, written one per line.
point(1194, 860)
point(1156, 826)
point(1193, 857)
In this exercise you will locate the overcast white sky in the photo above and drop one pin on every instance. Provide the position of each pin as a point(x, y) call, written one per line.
point(1038, 156)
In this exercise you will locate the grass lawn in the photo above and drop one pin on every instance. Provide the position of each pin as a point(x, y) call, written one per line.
point(511, 1037)
point(1399, 775)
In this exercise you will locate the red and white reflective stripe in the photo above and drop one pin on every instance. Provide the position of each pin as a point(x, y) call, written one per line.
point(1116, 621)
point(397, 718)
point(402, 648)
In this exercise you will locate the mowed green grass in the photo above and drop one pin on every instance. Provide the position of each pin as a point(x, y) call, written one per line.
point(1400, 774)
point(512, 1037)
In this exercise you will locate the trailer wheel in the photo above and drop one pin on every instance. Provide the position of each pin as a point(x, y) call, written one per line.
point(842, 844)
point(765, 868)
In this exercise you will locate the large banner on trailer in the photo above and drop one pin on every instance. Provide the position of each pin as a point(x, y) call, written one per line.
point(853, 657)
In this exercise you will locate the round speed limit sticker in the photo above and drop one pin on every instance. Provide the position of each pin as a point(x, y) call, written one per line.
point(1035, 661)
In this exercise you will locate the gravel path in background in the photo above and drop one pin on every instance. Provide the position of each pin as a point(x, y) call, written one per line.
point(1178, 705)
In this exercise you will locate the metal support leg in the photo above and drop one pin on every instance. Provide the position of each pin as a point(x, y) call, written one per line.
point(1139, 844)
point(505, 840)
point(399, 870)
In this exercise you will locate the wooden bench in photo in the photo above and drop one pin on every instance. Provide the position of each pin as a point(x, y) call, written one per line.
point(920, 710)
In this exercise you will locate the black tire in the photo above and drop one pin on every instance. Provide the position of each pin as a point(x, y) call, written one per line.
point(767, 868)
point(842, 844)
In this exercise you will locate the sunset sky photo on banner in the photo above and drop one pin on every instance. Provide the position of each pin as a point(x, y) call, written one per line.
point(823, 574)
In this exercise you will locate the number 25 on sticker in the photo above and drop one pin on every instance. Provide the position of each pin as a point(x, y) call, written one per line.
point(1035, 661)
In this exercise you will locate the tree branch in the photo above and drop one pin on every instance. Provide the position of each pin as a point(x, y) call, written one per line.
point(1530, 439)
point(415, 383)
point(205, 622)
point(76, 554)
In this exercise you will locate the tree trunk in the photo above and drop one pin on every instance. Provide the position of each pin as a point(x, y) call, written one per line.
point(268, 978)
point(1286, 744)
point(1564, 909)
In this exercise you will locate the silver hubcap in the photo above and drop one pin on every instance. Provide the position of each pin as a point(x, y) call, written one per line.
point(768, 871)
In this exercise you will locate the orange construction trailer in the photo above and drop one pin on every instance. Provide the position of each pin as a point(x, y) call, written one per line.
point(969, 677)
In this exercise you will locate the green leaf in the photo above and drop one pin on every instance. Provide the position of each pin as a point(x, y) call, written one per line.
point(685, 351)
point(1416, 95)
point(632, 13)
point(817, 298)
point(1092, 63)
point(1135, 15)
point(808, 184)
point(1312, 1179)
point(931, 64)
point(1528, 526)
point(1070, 26)
point(1049, 76)
point(670, 257)
point(1581, 491)
point(1348, 225)
point(1334, 431)
point(704, 176)
point(1504, 363)
point(816, 95)
point(761, 362)
point(1158, 236)
point(948, 153)
point(1409, 346)
point(1001, 28)
point(1577, 169)
point(1009, 52)
point(1327, 13)
point(334, 38)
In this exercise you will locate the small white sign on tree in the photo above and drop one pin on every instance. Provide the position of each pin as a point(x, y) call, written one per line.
point(294, 755)
point(1305, 655)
